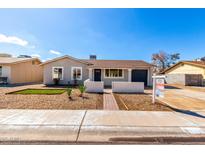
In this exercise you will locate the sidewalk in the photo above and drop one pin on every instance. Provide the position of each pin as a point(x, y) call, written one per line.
point(81, 126)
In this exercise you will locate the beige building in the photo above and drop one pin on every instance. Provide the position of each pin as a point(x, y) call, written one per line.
point(21, 70)
point(187, 73)
point(68, 69)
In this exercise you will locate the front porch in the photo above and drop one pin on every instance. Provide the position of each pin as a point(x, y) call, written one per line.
point(121, 75)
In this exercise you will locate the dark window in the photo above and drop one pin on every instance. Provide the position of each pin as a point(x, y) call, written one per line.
point(0, 70)
point(113, 73)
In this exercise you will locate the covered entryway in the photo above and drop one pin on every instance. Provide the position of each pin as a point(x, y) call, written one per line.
point(97, 74)
point(139, 76)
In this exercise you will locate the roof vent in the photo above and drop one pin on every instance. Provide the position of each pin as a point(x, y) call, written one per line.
point(24, 56)
point(93, 57)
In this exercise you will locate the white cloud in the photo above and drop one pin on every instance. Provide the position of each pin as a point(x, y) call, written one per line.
point(55, 52)
point(36, 56)
point(12, 40)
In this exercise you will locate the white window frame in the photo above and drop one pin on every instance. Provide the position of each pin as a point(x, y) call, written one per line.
point(111, 77)
point(62, 71)
point(81, 70)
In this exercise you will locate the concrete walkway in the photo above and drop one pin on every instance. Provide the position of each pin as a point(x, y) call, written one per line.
point(90, 126)
point(109, 102)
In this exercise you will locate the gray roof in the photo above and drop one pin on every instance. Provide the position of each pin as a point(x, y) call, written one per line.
point(106, 63)
point(117, 63)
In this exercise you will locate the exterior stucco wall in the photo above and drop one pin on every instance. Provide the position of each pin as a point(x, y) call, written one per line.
point(67, 64)
point(187, 69)
point(26, 72)
point(128, 87)
point(185, 79)
point(175, 79)
point(150, 74)
point(94, 86)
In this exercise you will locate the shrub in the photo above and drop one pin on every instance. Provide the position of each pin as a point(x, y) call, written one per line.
point(82, 89)
point(69, 92)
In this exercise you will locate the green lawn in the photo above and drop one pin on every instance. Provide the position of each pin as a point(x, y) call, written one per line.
point(39, 91)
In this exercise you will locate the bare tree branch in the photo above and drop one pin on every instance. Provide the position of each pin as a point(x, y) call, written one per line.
point(163, 60)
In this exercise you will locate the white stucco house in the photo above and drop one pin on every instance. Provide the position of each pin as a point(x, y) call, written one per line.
point(68, 69)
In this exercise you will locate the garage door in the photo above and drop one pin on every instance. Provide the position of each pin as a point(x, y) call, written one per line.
point(139, 76)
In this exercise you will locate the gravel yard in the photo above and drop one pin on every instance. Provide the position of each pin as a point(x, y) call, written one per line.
point(140, 102)
point(60, 101)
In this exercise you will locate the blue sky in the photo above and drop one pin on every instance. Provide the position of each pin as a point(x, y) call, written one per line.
point(108, 33)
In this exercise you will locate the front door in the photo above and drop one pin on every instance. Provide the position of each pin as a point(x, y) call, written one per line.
point(139, 76)
point(97, 74)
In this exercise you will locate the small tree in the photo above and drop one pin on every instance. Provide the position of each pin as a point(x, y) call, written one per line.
point(82, 89)
point(69, 92)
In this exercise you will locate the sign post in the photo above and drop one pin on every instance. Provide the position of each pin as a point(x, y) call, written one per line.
point(158, 87)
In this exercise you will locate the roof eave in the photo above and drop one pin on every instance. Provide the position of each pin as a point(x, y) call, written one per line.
point(62, 57)
point(190, 63)
point(21, 61)
point(183, 62)
point(98, 67)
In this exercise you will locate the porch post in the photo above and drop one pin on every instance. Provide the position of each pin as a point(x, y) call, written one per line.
point(90, 73)
point(129, 75)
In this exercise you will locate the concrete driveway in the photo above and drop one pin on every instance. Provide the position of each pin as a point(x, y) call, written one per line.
point(185, 98)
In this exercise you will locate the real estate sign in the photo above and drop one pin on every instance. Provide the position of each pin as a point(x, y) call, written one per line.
point(158, 87)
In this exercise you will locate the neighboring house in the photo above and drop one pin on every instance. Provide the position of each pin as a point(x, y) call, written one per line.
point(21, 70)
point(68, 69)
point(186, 73)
